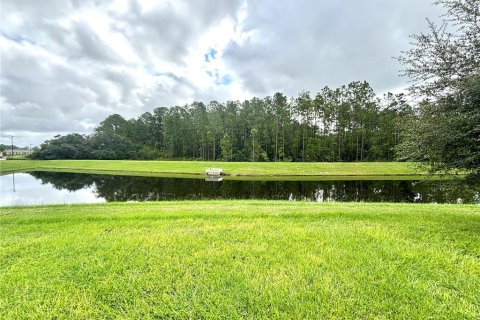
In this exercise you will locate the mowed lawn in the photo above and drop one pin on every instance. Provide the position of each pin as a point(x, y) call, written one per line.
point(230, 168)
point(240, 259)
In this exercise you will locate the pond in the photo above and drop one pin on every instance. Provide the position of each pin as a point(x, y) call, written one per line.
point(55, 187)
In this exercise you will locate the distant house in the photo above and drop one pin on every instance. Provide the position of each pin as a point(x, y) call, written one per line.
point(16, 152)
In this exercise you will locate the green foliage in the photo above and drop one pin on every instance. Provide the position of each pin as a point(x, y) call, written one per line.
point(114, 123)
point(226, 145)
point(109, 145)
point(101, 145)
point(71, 146)
point(148, 153)
point(445, 68)
point(446, 133)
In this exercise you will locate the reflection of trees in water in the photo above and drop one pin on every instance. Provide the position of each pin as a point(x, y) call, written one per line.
point(447, 191)
point(64, 181)
point(125, 188)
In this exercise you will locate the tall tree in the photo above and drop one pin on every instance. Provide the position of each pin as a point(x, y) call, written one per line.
point(114, 123)
point(282, 117)
point(444, 65)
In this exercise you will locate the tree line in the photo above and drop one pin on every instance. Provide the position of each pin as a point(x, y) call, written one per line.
point(348, 123)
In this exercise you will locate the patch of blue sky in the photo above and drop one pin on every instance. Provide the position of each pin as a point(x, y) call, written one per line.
point(164, 74)
point(210, 55)
point(226, 79)
point(16, 37)
point(220, 80)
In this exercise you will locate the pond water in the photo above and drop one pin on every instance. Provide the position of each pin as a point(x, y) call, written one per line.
point(55, 187)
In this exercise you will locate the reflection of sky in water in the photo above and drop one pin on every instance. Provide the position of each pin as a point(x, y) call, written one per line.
point(100, 188)
point(29, 190)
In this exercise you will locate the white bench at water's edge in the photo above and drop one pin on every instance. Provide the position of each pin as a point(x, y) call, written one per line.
point(213, 171)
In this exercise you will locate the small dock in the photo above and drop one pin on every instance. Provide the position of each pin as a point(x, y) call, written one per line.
point(214, 174)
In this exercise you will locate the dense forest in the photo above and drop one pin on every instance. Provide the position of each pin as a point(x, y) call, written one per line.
point(345, 124)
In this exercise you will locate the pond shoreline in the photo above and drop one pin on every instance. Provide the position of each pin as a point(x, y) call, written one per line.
point(232, 170)
point(43, 187)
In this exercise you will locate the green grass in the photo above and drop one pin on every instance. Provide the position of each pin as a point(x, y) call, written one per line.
point(234, 169)
point(240, 259)
point(17, 158)
point(7, 166)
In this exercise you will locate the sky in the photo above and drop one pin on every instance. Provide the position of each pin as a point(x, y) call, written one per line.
point(68, 64)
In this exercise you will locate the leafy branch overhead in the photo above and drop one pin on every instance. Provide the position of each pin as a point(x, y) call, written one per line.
point(441, 60)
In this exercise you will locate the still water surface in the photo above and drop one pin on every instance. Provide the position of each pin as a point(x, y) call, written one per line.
point(55, 187)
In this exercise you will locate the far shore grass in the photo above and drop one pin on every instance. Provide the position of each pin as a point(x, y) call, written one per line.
point(232, 170)
point(240, 259)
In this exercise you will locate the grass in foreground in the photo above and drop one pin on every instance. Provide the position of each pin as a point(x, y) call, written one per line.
point(240, 259)
point(230, 168)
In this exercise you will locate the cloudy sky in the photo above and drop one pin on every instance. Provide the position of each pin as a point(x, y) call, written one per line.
point(66, 65)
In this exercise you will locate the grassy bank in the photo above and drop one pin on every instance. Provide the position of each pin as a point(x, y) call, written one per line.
point(240, 259)
point(233, 169)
